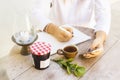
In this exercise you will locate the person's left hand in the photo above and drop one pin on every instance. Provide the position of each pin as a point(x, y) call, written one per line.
point(60, 33)
point(95, 49)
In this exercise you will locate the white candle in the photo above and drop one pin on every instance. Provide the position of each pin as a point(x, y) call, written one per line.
point(28, 23)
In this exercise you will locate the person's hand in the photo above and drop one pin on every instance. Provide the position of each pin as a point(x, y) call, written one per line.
point(60, 33)
point(95, 49)
point(97, 45)
point(67, 28)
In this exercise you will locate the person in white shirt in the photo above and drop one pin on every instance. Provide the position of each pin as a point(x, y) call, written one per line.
point(50, 15)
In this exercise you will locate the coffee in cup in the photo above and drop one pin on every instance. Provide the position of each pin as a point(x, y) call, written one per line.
point(68, 51)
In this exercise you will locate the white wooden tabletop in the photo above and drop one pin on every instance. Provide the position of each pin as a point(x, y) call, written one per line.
point(104, 67)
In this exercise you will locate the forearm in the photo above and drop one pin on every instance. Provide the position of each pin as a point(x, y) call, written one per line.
point(101, 35)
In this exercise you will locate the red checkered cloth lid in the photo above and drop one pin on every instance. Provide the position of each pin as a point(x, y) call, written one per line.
point(40, 48)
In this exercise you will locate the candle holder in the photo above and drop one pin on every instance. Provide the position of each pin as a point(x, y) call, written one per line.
point(24, 39)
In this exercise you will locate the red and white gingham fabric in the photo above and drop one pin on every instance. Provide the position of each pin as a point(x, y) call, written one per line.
point(40, 48)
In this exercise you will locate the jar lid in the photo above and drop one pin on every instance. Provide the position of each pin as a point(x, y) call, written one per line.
point(40, 48)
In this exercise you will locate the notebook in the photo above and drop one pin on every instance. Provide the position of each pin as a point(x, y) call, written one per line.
point(79, 37)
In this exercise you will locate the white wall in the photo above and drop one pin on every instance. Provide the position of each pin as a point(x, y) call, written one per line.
point(113, 1)
point(9, 11)
point(12, 16)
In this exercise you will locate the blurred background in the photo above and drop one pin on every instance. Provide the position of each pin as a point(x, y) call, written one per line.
point(16, 10)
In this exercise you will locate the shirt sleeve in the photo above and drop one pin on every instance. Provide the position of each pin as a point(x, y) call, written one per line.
point(102, 15)
point(39, 14)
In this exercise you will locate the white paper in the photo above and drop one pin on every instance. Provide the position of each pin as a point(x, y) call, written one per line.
point(78, 38)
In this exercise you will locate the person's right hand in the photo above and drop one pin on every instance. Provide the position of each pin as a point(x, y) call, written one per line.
point(97, 45)
point(60, 33)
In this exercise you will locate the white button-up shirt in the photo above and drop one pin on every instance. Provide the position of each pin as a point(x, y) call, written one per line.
point(86, 13)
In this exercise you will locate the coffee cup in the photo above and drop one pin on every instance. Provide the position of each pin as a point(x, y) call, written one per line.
point(68, 51)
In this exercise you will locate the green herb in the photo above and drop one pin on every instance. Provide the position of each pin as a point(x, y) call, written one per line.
point(71, 68)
